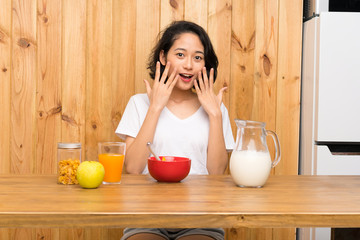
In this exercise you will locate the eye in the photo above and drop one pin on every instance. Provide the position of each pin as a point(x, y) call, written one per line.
point(180, 54)
point(199, 58)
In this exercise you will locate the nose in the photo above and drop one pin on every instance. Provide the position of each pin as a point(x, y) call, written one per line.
point(188, 64)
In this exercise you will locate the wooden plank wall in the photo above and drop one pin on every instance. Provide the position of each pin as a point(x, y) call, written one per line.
point(68, 68)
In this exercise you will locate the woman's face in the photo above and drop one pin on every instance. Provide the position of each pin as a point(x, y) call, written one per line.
point(187, 56)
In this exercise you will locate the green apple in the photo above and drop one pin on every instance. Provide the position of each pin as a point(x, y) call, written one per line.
point(90, 174)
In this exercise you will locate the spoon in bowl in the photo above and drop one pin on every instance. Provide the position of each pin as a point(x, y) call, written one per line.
point(149, 146)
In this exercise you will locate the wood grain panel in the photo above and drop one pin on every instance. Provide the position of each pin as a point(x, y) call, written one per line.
point(99, 88)
point(250, 234)
point(22, 233)
point(219, 30)
point(284, 233)
point(4, 233)
point(99, 85)
point(96, 234)
point(114, 233)
point(68, 69)
point(23, 87)
point(73, 71)
point(288, 93)
point(123, 70)
point(46, 233)
point(266, 24)
point(71, 233)
point(172, 10)
point(5, 93)
point(241, 81)
point(123, 57)
point(48, 97)
point(266, 78)
point(265, 69)
point(5, 49)
point(147, 29)
point(242, 60)
point(73, 93)
point(197, 11)
point(288, 84)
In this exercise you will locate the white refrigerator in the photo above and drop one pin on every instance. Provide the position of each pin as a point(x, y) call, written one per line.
point(330, 100)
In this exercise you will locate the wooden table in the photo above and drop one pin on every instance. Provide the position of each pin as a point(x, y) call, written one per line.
point(198, 201)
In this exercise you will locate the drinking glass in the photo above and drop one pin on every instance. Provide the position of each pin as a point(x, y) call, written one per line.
point(111, 156)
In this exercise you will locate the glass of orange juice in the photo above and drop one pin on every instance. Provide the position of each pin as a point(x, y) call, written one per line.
point(111, 156)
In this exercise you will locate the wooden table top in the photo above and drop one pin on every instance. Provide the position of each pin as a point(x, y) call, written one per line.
point(198, 201)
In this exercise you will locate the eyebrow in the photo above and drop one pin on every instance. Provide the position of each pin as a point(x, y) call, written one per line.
point(183, 49)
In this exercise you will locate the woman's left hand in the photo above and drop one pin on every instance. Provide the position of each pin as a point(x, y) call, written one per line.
point(205, 90)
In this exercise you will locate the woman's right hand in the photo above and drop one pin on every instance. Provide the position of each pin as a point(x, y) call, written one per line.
point(160, 92)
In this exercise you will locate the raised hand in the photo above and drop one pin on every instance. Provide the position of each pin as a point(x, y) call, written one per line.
point(160, 92)
point(205, 90)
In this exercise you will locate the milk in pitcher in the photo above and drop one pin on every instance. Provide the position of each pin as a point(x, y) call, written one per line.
point(250, 168)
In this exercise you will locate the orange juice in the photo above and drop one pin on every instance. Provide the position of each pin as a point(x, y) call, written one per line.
point(113, 164)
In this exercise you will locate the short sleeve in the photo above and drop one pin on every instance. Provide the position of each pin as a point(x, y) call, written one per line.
point(130, 123)
point(228, 136)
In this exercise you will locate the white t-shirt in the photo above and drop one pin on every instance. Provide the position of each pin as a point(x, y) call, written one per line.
point(174, 136)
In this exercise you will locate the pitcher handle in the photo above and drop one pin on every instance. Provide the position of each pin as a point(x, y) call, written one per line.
point(277, 147)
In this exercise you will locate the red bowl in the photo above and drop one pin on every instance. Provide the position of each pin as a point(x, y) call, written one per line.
point(174, 169)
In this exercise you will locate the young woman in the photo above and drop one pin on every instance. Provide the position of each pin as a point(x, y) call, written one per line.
point(180, 114)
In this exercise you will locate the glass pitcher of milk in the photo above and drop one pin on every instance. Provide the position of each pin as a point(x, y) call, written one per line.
point(250, 161)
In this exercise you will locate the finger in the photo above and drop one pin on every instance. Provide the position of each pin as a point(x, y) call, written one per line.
point(196, 85)
point(148, 88)
point(172, 77)
point(157, 72)
point(220, 94)
point(211, 78)
point(165, 73)
point(206, 80)
point(173, 83)
point(201, 81)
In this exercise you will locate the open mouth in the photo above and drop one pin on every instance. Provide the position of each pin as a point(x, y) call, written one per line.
point(186, 77)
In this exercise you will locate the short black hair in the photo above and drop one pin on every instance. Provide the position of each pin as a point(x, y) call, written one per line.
point(167, 38)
